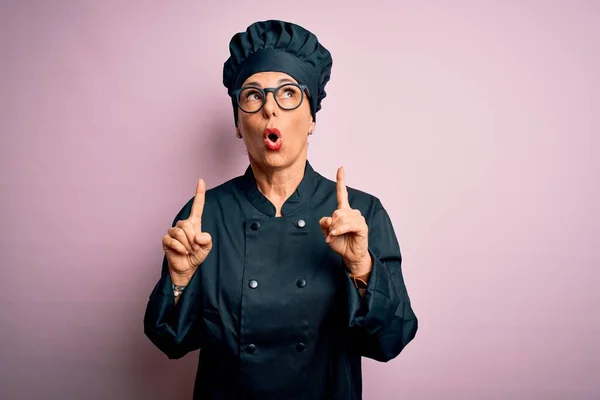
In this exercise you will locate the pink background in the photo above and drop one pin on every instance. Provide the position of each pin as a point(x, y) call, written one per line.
point(476, 124)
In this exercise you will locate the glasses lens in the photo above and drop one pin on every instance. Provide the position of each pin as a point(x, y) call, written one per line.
point(250, 100)
point(289, 97)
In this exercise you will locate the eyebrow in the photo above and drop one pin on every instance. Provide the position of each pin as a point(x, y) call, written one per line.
point(283, 80)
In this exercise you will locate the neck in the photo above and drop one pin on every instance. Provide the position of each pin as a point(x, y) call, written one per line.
point(278, 184)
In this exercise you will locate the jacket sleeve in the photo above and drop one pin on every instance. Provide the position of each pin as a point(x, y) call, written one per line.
point(174, 328)
point(383, 322)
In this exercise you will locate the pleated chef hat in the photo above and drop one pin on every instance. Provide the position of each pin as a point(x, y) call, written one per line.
point(280, 47)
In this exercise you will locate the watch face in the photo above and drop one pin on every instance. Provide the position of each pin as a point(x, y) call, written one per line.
point(177, 290)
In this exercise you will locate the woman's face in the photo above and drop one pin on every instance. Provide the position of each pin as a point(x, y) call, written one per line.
point(260, 130)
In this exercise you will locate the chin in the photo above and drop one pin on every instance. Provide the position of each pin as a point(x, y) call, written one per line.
point(274, 160)
point(279, 159)
point(271, 160)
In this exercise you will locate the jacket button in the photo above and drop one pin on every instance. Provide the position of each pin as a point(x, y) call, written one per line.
point(253, 283)
point(301, 223)
point(250, 348)
point(300, 283)
point(300, 347)
point(255, 225)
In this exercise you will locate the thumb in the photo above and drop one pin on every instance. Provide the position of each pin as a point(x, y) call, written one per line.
point(203, 239)
point(325, 223)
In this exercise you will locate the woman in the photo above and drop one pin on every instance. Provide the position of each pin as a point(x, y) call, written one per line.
point(282, 278)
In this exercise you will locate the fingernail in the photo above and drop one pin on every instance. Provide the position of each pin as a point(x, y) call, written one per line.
point(332, 232)
point(328, 239)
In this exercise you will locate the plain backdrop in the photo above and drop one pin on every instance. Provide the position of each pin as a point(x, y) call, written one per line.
point(475, 122)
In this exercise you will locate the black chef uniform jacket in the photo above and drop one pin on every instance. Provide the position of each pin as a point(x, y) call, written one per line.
point(272, 307)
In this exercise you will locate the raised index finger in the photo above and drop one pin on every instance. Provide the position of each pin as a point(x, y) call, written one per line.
point(198, 204)
point(342, 192)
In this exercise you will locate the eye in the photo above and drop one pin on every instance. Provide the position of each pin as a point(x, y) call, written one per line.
point(251, 95)
point(289, 92)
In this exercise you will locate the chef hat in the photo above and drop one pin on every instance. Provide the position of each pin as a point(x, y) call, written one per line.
point(280, 47)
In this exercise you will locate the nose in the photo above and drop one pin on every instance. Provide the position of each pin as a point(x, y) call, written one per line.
point(270, 109)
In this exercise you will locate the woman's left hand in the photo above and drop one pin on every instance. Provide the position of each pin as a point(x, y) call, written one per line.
point(347, 233)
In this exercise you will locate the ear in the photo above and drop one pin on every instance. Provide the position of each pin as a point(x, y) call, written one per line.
point(311, 128)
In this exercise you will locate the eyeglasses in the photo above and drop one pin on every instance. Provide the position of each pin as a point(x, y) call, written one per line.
point(251, 99)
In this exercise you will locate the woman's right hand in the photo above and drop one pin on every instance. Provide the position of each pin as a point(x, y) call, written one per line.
point(185, 245)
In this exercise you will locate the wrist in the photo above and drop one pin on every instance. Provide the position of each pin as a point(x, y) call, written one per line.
point(180, 279)
point(360, 268)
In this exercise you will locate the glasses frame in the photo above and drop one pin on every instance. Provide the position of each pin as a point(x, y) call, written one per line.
point(264, 91)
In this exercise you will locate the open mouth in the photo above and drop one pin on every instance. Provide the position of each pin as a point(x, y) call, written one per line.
point(273, 139)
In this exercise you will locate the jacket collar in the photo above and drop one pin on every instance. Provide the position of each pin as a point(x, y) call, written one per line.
point(301, 195)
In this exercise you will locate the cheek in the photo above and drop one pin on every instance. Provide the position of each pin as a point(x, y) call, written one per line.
point(303, 118)
point(248, 123)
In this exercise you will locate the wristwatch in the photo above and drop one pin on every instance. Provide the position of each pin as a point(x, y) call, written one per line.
point(360, 280)
point(177, 290)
